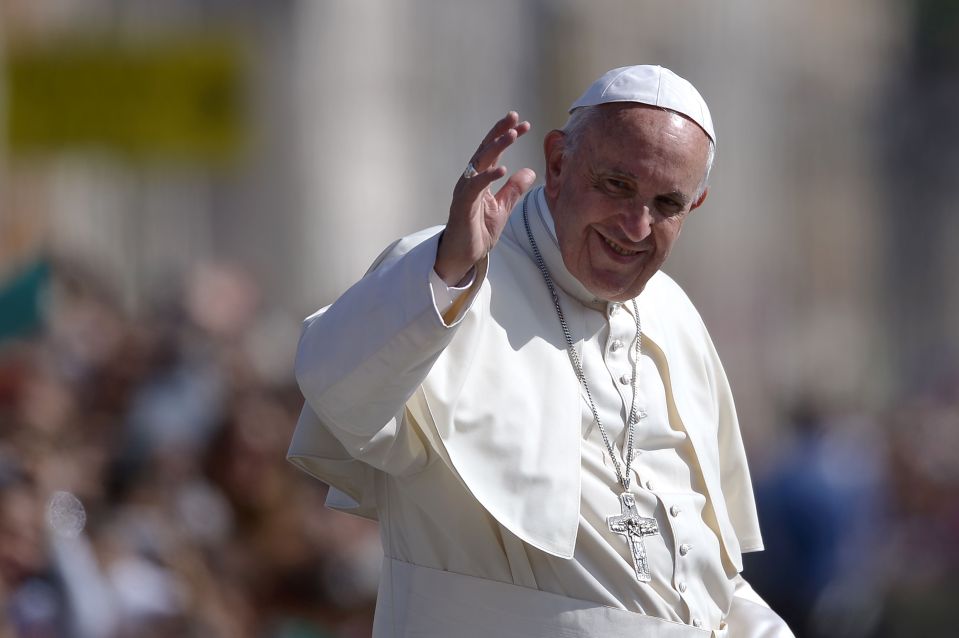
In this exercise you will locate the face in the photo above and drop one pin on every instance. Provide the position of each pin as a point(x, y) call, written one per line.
point(620, 196)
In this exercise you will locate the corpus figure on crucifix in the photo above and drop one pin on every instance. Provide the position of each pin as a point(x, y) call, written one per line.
point(634, 527)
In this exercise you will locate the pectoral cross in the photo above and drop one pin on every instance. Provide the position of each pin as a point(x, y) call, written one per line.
point(634, 527)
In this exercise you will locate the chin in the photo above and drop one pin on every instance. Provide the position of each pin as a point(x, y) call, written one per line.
point(618, 282)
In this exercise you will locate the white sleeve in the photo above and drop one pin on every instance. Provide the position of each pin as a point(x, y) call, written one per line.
point(360, 360)
point(445, 296)
point(750, 617)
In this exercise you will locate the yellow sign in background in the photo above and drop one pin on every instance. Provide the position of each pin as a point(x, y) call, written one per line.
point(180, 100)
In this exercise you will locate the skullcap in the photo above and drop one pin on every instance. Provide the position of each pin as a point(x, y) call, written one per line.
point(653, 85)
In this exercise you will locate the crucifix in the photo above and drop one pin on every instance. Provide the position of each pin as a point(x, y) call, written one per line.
point(634, 527)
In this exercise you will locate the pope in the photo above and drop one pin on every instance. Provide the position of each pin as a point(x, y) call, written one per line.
point(531, 409)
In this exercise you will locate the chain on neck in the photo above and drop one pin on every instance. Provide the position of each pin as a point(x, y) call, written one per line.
point(624, 477)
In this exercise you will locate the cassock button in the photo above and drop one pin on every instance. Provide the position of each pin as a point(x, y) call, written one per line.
point(684, 549)
point(674, 511)
point(682, 587)
point(616, 345)
point(697, 622)
point(649, 485)
point(625, 379)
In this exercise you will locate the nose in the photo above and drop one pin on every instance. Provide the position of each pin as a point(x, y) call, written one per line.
point(638, 224)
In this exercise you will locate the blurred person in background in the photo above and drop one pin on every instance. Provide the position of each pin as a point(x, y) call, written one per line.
point(822, 505)
point(535, 415)
point(143, 490)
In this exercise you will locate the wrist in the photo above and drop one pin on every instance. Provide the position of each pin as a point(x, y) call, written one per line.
point(454, 276)
point(452, 269)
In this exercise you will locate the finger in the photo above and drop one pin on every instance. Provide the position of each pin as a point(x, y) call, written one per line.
point(489, 154)
point(475, 185)
point(505, 123)
point(518, 183)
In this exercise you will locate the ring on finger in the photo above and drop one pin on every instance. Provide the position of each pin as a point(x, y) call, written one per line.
point(470, 171)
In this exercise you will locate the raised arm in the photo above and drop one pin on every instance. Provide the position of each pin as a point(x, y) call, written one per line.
point(361, 359)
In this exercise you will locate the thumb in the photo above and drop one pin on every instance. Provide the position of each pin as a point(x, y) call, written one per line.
point(518, 183)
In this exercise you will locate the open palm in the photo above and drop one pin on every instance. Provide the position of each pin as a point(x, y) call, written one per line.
point(477, 215)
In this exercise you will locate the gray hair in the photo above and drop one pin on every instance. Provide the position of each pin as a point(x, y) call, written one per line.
point(581, 118)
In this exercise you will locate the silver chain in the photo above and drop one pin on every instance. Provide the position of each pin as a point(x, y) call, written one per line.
point(631, 421)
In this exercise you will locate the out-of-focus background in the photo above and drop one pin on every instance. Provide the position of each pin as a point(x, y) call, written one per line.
point(182, 181)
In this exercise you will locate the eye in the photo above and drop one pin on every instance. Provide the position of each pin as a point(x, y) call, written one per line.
point(668, 205)
point(617, 186)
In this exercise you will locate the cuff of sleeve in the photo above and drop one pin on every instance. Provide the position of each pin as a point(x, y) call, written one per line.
point(452, 302)
point(444, 296)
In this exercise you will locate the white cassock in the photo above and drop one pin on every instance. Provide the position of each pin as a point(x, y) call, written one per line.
point(474, 446)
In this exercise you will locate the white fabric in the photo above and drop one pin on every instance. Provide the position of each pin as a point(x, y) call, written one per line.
point(653, 85)
point(444, 295)
point(480, 472)
point(440, 603)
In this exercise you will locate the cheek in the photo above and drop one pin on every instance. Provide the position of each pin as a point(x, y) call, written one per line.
point(667, 235)
point(573, 245)
point(572, 228)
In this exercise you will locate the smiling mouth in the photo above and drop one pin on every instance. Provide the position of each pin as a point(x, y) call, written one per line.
point(619, 250)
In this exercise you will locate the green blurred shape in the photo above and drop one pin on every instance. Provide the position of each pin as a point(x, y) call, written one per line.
point(937, 32)
point(22, 298)
point(299, 628)
point(179, 99)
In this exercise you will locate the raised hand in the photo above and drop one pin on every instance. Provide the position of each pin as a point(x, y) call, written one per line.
point(477, 216)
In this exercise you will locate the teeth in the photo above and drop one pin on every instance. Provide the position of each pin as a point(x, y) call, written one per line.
point(619, 249)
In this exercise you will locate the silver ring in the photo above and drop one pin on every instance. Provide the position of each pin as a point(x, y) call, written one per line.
point(470, 171)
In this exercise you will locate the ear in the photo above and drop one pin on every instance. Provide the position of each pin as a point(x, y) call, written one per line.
point(699, 202)
point(554, 148)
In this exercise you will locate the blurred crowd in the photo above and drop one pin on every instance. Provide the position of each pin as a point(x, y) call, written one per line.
point(860, 517)
point(144, 489)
